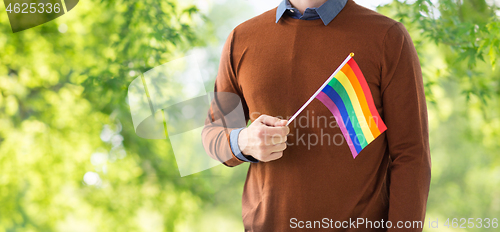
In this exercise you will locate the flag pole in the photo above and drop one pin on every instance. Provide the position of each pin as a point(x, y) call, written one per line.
point(320, 88)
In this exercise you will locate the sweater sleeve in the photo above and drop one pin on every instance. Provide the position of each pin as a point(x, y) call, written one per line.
point(228, 111)
point(405, 115)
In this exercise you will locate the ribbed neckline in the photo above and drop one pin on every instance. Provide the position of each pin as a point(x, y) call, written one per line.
point(300, 22)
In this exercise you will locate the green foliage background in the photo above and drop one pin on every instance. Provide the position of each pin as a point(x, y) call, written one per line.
point(458, 46)
point(64, 114)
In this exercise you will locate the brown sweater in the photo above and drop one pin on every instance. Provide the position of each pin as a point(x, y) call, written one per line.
point(275, 68)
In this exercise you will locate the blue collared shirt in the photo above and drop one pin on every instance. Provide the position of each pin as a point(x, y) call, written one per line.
point(326, 12)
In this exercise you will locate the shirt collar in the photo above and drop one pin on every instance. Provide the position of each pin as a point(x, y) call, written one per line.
point(327, 12)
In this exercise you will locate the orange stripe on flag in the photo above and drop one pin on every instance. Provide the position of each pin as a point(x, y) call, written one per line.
point(347, 70)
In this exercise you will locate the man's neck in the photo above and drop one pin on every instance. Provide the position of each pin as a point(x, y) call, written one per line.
point(302, 5)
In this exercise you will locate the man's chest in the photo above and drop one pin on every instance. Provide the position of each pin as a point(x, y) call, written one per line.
point(277, 78)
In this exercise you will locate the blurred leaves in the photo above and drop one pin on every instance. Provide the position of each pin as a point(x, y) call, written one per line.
point(468, 32)
point(70, 159)
point(458, 47)
point(69, 156)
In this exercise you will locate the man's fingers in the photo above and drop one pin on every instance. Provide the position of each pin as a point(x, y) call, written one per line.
point(272, 151)
point(269, 137)
point(281, 123)
point(268, 120)
point(278, 147)
point(274, 131)
point(274, 156)
point(277, 139)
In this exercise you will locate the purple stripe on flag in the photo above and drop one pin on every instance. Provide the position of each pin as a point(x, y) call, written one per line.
point(335, 111)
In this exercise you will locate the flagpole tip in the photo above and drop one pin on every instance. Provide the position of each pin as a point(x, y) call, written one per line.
point(352, 54)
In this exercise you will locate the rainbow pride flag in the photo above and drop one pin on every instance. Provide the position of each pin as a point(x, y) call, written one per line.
point(350, 100)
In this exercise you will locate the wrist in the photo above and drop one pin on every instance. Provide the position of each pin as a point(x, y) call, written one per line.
point(242, 140)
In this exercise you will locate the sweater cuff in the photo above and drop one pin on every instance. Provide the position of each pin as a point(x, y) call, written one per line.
point(235, 148)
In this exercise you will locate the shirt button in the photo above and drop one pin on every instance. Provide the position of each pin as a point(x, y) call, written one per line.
point(292, 11)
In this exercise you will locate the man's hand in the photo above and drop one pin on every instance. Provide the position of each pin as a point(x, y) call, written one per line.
point(264, 139)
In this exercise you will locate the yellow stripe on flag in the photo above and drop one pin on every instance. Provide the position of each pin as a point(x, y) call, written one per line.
point(342, 78)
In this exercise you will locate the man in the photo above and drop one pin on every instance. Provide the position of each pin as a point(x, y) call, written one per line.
point(304, 176)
